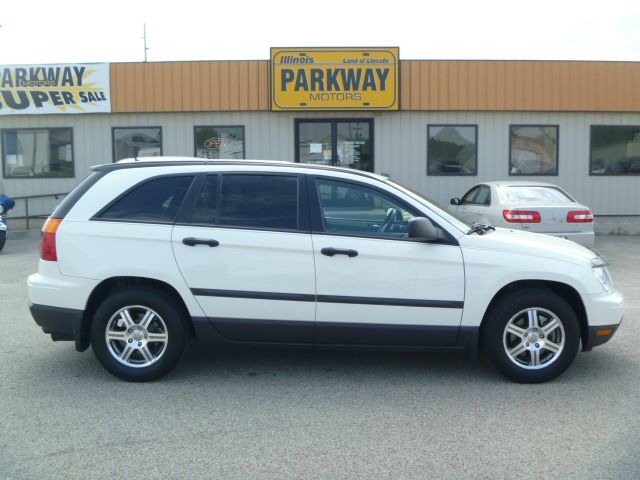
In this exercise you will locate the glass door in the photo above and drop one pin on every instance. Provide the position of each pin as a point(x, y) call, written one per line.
point(344, 143)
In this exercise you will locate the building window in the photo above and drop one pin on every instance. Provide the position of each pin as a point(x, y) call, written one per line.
point(219, 142)
point(452, 150)
point(533, 150)
point(38, 152)
point(615, 150)
point(134, 142)
point(343, 143)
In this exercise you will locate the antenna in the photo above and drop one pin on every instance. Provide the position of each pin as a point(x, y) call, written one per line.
point(145, 41)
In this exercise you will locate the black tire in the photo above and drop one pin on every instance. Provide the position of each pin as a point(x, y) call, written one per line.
point(517, 309)
point(3, 239)
point(169, 322)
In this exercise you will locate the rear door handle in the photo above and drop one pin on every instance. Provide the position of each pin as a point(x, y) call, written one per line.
point(192, 241)
point(330, 252)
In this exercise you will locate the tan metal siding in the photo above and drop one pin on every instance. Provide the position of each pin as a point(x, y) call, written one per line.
point(189, 86)
point(520, 86)
point(426, 85)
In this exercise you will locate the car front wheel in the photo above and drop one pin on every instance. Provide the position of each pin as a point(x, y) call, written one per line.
point(531, 336)
point(138, 335)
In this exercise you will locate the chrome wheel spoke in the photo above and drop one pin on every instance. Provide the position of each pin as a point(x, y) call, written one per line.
point(551, 326)
point(157, 337)
point(147, 319)
point(126, 353)
point(535, 358)
point(125, 316)
point(515, 330)
point(533, 318)
point(552, 347)
point(517, 350)
point(116, 335)
point(146, 354)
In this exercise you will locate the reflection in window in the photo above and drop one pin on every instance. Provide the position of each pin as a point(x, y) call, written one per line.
point(452, 149)
point(38, 152)
point(130, 142)
point(615, 150)
point(358, 210)
point(219, 142)
point(534, 150)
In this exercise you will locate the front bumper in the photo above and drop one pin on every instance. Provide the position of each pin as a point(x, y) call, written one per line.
point(63, 324)
point(604, 315)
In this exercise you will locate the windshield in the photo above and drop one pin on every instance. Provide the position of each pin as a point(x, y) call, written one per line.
point(533, 195)
point(434, 206)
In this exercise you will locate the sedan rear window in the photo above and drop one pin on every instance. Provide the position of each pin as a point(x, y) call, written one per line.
point(533, 194)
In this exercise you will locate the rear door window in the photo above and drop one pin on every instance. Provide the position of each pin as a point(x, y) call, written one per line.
point(259, 201)
point(154, 201)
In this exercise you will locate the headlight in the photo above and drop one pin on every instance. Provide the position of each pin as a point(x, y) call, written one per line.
point(601, 272)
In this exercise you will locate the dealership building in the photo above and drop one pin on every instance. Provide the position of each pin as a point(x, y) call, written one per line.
point(439, 127)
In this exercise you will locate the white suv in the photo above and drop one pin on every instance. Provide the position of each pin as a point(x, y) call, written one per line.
point(143, 255)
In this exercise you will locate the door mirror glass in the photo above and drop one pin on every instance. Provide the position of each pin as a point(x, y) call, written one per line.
point(455, 201)
point(421, 228)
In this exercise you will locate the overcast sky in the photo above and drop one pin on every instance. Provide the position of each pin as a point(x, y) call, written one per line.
point(69, 31)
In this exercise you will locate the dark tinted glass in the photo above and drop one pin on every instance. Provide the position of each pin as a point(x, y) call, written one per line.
point(259, 201)
point(205, 210)
point(615, 150)
point(452, 149)
point(155, 201)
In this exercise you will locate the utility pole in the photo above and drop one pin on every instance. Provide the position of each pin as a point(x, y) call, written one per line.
point(145, 41)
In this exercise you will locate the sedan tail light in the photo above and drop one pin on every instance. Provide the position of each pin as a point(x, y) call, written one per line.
point(580, 216)
point(521, 216)
point(48, 249)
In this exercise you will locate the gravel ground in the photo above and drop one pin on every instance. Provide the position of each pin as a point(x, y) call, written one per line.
point(310, 414)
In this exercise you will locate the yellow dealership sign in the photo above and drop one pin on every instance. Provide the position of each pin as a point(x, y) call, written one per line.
point(334, 78)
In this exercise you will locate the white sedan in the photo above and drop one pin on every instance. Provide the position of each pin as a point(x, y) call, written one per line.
point(529, 206)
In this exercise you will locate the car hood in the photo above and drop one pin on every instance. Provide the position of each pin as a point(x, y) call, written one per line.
point(528, 243)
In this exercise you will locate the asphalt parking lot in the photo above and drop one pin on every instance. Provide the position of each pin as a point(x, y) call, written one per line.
point(311, 414)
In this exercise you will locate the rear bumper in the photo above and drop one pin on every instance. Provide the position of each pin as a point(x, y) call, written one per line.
point(63, 324)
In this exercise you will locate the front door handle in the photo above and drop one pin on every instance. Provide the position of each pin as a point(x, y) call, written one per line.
point(330, 252)
point(192, 241)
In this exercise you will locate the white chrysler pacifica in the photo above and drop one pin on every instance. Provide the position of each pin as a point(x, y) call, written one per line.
point(143, 255)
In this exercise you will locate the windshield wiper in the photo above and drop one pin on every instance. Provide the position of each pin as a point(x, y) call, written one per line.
point(481, 229)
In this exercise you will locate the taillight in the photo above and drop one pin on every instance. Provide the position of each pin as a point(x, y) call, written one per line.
point(521, 216)
point(580, 216)
point(48, 240)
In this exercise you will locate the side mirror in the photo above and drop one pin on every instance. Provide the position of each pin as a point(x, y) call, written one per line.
point(421, 229)
point(455, 201)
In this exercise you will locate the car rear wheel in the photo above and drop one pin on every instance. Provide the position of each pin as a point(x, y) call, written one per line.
point(138, 335)
point(531, 336)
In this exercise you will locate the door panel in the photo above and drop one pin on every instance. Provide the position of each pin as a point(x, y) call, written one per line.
point(251, 276)
point(374, 286)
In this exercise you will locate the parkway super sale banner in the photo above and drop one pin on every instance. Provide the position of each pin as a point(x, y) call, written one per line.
point(54, 89)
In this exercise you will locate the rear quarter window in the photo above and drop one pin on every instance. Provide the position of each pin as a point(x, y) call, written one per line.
point(153, 201)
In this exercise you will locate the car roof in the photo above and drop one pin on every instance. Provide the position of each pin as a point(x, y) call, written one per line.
point(513, 183)
point(168, 161)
